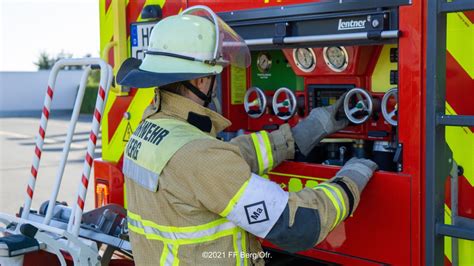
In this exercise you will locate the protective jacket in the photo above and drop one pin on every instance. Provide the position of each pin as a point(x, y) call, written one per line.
point(196, 200)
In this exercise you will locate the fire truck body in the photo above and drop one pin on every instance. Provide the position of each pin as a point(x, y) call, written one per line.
point(389, 225)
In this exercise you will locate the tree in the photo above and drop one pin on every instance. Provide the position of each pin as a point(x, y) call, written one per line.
point(45, 61)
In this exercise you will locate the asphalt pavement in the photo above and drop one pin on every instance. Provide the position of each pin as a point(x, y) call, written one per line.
point(17, 146)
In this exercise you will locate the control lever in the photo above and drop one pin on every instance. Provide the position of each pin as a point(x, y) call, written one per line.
point(358, 105)
point(342, 152)
point(389, 116)
point(289, 102)
point(260, 102)
point(332, 158)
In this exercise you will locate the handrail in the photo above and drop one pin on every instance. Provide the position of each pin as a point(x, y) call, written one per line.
point(390, 34)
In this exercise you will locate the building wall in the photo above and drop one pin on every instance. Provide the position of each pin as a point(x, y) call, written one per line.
point(25, 91)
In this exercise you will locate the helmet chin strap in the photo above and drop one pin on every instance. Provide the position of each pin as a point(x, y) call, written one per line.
point(207, 98)
point(210, 92)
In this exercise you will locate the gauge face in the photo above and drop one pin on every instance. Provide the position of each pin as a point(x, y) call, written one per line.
point(264, 62)
point(336, 58)
point(304, 59)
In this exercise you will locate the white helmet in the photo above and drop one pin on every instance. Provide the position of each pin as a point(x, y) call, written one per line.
point(193, 44)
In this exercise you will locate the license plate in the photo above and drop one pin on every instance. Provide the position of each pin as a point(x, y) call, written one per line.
point(139, 38)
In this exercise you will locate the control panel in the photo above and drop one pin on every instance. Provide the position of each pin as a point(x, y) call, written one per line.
point(309, 57)
point(285, 85)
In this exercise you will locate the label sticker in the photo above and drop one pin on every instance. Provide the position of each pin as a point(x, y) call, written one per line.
point(238, 84)
point(256, 213)
point(128, 132)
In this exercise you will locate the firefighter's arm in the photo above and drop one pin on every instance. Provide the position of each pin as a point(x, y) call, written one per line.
point(224, 185)
point(299, 220)
point(265, 150)
point(312, 213)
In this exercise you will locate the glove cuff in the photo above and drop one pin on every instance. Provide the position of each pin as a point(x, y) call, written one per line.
point(357, 177)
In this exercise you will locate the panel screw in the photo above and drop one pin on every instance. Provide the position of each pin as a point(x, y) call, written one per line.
point(375, 23)
point(460, 170)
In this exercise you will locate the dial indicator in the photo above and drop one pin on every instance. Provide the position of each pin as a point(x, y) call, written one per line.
point(264, 62)
point(336, 58)
point(305, 59)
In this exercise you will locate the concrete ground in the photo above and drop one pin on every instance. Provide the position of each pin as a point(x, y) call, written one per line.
point(17, 144)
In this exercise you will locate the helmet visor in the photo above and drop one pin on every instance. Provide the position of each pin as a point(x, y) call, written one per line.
point(230, 48)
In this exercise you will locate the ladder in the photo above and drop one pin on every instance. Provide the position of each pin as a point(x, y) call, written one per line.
point(439, 159)
point(23, 234)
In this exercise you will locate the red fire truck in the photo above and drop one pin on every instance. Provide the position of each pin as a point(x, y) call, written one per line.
point(411, 62)
point(306, 54)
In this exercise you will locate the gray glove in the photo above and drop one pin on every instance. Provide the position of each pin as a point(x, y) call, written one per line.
point(359, 171)
point(320, 123)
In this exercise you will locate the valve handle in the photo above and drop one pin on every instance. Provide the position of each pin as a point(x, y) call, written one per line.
point(389, 116)
point(289, 102)
point(260, 102)
point(359, 112)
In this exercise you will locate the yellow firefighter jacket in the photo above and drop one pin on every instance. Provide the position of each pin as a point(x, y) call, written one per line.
point(193, 199)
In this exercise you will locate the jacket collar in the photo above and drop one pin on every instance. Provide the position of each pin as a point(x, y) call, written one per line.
point(176, 106)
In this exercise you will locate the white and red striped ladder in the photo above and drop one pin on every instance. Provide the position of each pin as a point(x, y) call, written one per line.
point(104, 86)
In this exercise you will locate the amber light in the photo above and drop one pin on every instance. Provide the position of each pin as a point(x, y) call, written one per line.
point(101, 195)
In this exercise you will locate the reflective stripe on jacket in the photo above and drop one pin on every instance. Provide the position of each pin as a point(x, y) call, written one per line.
point(192, 199)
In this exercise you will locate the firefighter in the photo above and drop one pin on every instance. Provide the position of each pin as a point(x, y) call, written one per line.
point(196, 200)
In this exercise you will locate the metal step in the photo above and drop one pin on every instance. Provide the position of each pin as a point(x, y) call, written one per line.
point(455, 120)
point(455, 231)
point(456, 6)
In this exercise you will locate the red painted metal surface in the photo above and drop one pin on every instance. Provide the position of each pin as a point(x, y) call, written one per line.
point(388, 225)
point(459, 84)
point(358, 73)
point(46, 258)
point(362, 60)
point(233, 5)
point(110, 175)
point(331, 257)
point(116, 112)
point(411, 66)
point(234, 112)
point(381, 223)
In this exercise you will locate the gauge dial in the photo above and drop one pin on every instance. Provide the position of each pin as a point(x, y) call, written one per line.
point(336, 58)
point(264, 62)
point(304, 59)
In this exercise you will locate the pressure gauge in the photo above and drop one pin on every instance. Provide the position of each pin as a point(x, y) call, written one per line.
point(264, 62)
point(336, 58)
point(305, 59)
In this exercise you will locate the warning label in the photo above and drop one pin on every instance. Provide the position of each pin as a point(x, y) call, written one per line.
point(238, 84)
point(128, 133)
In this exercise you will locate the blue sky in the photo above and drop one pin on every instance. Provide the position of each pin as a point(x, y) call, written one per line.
point(28, 27)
